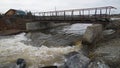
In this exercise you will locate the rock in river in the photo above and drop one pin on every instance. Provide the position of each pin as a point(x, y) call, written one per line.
point(76, 60)
point(98, 64)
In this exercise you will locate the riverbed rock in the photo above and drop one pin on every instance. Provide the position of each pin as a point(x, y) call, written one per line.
point(9, 65)
point(76, 60)
point(49, 67)
point(38, 39)
point(98, 64)
point(108, 32)
point(20, 63)
point(93, 34)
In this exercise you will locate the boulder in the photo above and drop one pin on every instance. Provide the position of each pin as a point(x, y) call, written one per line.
point(8, 65)
point(38, 39)
point(108, 32)
point(76, 60)
point(93, 34)
point(20, 63)
point(49, 67)
point(98, 64)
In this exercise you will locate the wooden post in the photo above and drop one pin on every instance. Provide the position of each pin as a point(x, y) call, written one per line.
point(109, 12)
point(80, 12)
point(88, 13)
point(72, 14)
point(39, 15)
point(106, 12)
point(64, 15)
point(100, 12)
point(83, 13)
point(95, 13)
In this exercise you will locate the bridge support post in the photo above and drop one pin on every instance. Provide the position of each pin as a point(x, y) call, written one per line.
point(35, 26)
point(30, 26)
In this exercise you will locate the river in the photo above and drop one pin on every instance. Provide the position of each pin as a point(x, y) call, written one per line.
point(14, 47)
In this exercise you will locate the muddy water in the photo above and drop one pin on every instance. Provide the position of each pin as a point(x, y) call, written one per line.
point(13, 47)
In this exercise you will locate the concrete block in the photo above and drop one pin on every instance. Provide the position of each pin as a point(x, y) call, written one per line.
point(35, 26)
point(93, 33)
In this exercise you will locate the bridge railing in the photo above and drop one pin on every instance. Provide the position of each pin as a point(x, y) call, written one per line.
point(98, 12)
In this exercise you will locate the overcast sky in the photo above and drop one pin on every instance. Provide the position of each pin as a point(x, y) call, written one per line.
point(47, 5)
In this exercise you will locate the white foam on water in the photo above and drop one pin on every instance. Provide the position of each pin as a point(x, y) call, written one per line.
point(13, 48)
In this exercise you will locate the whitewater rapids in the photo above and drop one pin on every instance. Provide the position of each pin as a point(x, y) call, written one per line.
point(13, 47)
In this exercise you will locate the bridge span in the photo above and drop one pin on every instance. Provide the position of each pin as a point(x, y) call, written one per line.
point(85, 15)
point(14, 19)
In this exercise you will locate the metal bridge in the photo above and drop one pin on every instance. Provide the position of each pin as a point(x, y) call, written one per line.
point(85, 15)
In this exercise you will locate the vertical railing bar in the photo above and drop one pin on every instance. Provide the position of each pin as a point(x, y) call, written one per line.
point(83, 13)
point(64, 15)
point(109, 12)
point(100, 13)
point(88, 13)
point(106, 12)
point(95, 13)
point(72, 14)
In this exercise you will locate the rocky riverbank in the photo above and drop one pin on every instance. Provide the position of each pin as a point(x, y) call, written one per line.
point(108, 50)
point(63, 50)
point(103, 53)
